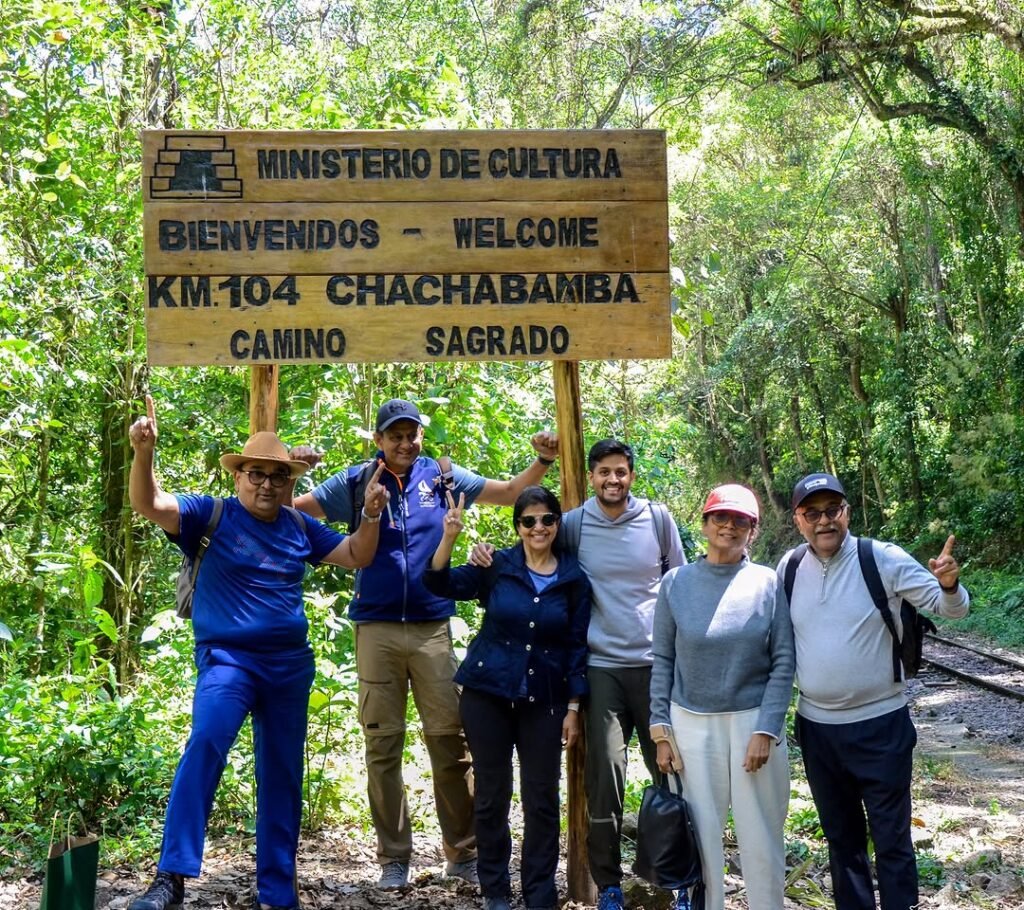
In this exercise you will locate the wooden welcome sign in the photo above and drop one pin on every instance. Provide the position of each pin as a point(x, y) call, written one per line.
point(391, 246)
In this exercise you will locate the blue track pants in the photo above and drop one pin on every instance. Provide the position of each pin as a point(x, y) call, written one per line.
point(274, 689)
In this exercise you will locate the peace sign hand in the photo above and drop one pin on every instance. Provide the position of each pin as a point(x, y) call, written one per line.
point(453, 520)
point(945, 568)
point(142, 434)
point(376, 496)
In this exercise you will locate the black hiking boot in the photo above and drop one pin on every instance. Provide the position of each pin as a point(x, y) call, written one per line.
point(166, 893)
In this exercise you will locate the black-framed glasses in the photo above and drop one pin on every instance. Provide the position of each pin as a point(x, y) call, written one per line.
point(740, 522)
point(831, 513)
point(547, 519)
point(278, 479)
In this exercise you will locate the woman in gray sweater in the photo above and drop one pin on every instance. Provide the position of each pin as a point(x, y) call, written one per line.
point(722, 680)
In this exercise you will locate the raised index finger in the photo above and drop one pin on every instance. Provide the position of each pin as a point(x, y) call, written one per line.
point(947, 550)
point(150, 408)
point(377, 473)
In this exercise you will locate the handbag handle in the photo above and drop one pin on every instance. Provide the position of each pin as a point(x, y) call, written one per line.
point(673, 775)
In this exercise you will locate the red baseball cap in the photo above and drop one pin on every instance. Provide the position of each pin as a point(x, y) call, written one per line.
point(733, 497)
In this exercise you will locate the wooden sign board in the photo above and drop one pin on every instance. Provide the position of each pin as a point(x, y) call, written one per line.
point(297, 247)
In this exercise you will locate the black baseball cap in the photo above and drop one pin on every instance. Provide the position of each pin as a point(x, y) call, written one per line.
point(397, 409)
point(816, 483)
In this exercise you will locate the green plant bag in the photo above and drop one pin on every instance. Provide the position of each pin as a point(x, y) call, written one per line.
point(70, 882)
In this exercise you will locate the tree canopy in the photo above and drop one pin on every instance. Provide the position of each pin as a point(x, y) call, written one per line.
point(847, 233)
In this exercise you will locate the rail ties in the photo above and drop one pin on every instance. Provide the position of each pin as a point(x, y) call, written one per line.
point(977, 667)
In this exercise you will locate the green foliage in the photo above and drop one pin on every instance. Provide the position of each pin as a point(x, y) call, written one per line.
point(848, 294)
point(997, 607)
point(931, 871)
point(67, 745)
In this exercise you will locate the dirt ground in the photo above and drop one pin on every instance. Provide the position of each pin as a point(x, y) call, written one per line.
point(969, 804)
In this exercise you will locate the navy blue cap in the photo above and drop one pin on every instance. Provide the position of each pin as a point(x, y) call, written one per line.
point(816, 483)
point(397, 409)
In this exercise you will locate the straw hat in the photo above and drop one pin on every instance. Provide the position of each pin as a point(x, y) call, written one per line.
point(263, 446)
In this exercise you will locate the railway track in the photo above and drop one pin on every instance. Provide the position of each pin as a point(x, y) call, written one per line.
point(983, 669)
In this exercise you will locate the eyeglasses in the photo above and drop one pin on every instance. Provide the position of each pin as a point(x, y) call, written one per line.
point(740, 522)
point(831, 513)
point(547, 519)
point(278, 479)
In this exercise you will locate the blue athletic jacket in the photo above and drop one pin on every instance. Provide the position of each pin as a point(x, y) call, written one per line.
point(539, 638)
point(391, 589)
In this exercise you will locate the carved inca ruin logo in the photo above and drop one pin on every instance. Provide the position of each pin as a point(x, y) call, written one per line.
point(195, 167)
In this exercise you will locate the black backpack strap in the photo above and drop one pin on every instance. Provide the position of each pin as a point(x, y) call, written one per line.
point(789, 572)
point(190, 564)
point(445, 477)
point(204, 541)
point(569, 530)
point(358, 484)
point(661, 517)
point(869, 569)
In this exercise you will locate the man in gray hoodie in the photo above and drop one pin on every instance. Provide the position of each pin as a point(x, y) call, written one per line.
point(624, 545)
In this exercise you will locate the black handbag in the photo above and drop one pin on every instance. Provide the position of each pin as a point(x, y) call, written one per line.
point(667, 852)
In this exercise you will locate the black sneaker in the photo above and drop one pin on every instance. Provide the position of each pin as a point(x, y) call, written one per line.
point(166, 893)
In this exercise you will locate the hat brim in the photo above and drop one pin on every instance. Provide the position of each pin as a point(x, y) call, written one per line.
point(732, 507)
point(391, 421)
point(233, 461)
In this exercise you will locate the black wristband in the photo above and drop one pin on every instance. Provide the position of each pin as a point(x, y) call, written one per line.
point(952, 590)
point(547, 462)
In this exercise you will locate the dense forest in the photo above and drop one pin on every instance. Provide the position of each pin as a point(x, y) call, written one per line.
point(847, 256)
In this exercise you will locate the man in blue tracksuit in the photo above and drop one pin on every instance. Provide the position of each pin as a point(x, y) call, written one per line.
point(402, 632)
point(252, 651)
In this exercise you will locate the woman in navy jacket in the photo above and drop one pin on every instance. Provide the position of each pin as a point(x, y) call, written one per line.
point(523, 678)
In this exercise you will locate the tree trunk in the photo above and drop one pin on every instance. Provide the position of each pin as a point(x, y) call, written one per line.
point(867, 425)
point(764, 460)
point(812, 385)
point(798, 433)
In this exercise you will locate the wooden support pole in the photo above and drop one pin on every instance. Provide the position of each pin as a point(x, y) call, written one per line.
point(263, 398)
point(569, 418)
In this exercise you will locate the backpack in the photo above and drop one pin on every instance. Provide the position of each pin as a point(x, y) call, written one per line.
point(362, 481)
point(572, 524)
point(906, 653)
point(189, 569)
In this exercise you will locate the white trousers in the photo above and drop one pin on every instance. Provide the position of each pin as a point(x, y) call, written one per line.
point(713, 747)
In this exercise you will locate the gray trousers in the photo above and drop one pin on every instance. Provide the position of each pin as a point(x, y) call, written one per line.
point(619, 704)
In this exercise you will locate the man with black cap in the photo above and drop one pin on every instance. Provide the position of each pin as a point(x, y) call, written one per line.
point(402, 631)
point(852, 722)
point(252, 652)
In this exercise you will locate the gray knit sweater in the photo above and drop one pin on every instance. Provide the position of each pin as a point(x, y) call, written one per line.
point(723, 643)
point(622, 559)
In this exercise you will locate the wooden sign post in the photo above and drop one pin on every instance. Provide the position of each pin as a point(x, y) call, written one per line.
point(569, 419)
point(272, 247)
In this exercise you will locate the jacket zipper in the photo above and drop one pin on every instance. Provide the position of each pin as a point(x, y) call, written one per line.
point(403, 514)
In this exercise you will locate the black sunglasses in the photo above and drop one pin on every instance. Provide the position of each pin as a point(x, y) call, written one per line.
point(740, 522)
point(547, 519)
point(831, 513)
point(277, 479)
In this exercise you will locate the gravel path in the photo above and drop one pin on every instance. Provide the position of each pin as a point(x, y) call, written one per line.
point(968, 809)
